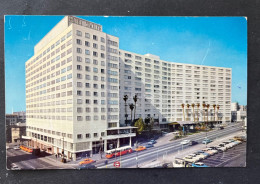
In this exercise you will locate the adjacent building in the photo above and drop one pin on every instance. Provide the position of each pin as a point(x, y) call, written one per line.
point(238, 112)
point(78, 76)
point(15, 126)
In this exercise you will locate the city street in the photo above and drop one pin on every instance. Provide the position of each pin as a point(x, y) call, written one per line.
point(158, 152)
point(27, 161)
point(161, 150)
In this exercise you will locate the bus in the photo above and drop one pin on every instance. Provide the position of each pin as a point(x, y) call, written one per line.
point(118, 152)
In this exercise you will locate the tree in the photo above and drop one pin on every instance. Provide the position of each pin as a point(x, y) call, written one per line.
point(198, 106)
point(182, 105)
point(208, 112)
point(214, 107)
point(193, 105)
point(131, 106)
point(125, 99)
point(188, 106)
point(140, 125)
point(204, 106)
point(135, 100)
point(217, 112)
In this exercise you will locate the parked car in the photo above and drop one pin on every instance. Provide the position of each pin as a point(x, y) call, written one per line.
point(149, 145)
point(221, 128)
point(16, 148)
point(140, 148)
point(185, 142)
point(193, 143)
point(206, 141)
point(86, 161)
point(15, 167)
point(210, 152)
point(198, 164)
point(86, 166)
point(213, 150)
point(152, 141)
point(219, 148)
point(204, 153)
point(195, 157)
point(201, 155)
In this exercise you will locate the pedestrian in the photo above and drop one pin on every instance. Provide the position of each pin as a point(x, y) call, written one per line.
point(56, 156)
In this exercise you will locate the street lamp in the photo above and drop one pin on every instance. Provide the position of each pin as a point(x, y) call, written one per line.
point(62, 152)
point(136, 146)
point(101, 142)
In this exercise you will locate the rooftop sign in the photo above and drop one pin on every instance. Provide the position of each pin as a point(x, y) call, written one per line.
point(84, 23)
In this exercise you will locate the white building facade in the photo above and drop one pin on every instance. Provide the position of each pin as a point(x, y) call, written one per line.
point(162, 87)
point(78, 76)
point(72, 90)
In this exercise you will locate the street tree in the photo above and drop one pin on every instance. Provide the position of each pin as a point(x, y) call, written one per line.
point(140, 125)
point(131, 106)
point(125, 99)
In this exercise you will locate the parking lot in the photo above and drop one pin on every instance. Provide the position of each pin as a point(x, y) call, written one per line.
point(225, 158)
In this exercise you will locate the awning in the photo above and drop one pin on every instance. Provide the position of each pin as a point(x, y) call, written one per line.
point(174, 123)
point(26, 137)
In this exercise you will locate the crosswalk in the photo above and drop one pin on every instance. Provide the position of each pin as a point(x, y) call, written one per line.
point(223, 158)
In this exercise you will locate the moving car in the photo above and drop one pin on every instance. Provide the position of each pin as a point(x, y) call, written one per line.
point(140, 148)
point(198, 164)
point(86, 166)
point(86, 161)
point(193, 143)
point(152, 141)
point(185, 142)
point(206, 141)
point(149, 145)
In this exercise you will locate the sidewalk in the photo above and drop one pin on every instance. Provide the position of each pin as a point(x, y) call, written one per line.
point(180, 154)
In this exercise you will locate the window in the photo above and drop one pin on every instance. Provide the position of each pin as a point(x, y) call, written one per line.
point(87, 68)
point(87, 135)
point(87, 35)
point(87, 43)
point(95, 54)
point(88, 118)
point(79, 50)
point(79, 59)
point(79, 76)
point(87, 101)
point(87, 93)
point(95, 86)
point(95, 37)
point(95, 62)
point(78, 33)
point(79, 136)
point(95, 45)
point(102, 39)
point(79, 41)
point(79, 67)
point(95, 134)
point(95, 70)
point(87, 52)
point(87, 85)
point(87, 60)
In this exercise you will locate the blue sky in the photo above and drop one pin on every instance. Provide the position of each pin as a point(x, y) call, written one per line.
point(212, 41)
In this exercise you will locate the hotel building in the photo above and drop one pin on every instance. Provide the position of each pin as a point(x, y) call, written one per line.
point(76, 80)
